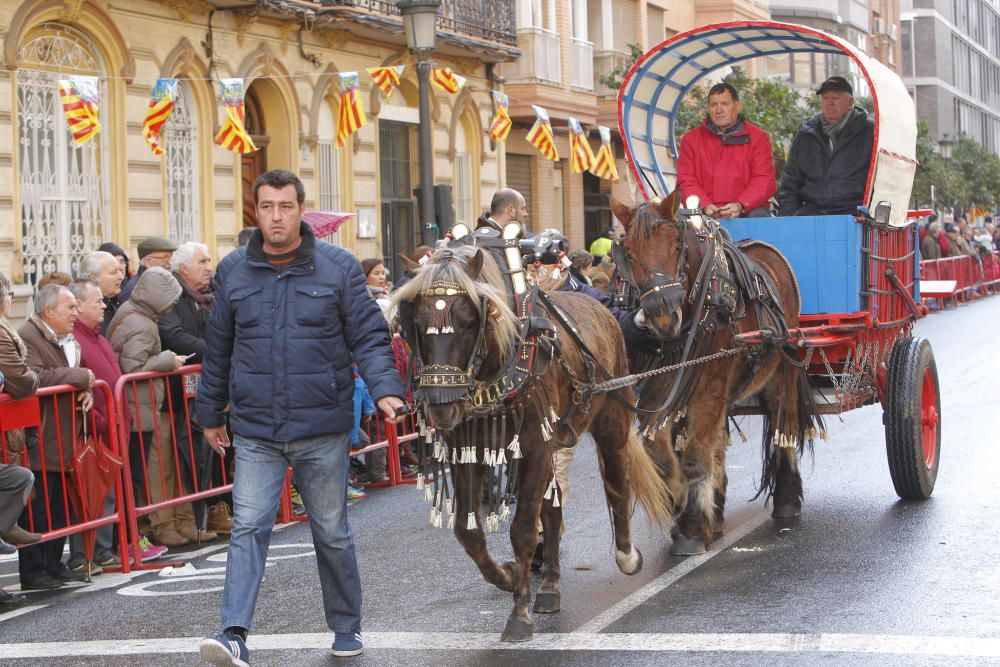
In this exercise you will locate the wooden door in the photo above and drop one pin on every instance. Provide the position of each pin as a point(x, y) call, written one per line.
point(253, 164)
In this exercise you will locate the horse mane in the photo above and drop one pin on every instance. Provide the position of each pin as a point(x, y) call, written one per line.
point(644, 222)
point(448, 265)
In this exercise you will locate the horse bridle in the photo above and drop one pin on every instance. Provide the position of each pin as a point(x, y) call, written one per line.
point(441, 383)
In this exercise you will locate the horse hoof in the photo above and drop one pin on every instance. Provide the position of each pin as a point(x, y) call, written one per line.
point(546, 603)
point(786, 511)
point(686, 546)
point(629, 563)
point(718, 529)
point(517, 630)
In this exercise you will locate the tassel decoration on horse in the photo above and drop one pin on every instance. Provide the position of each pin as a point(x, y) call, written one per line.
point(470, 521)
point(515, 447)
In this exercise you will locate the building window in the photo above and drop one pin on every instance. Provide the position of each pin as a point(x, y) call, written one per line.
point(180, 140)
point(463, 189)
point(328, 177)
point(64, 200)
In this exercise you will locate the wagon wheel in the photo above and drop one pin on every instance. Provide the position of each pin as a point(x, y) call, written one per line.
point(913, 418)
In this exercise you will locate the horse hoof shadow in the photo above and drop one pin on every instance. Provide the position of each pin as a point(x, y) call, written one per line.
point(546, 603)
point(786, 511)
point(517, 630)
point(686, 546)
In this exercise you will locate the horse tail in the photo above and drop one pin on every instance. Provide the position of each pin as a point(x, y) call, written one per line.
point(791, 418)
point(648, 486)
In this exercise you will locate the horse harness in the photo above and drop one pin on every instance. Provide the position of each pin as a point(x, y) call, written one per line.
point(727, 282)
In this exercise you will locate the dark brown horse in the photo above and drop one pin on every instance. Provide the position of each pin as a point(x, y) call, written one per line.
point(696, 297)
point(455, 314)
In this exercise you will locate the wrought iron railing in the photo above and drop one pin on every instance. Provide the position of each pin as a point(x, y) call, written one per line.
point(490, 20)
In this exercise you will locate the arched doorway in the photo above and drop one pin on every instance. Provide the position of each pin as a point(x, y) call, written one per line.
point(253, 164)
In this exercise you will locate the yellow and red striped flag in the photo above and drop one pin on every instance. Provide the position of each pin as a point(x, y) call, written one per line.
point(161, 105)
point(604, 162)
point(233, 134)
point(387, 78)
point(446, 80)
point(501, 123)
point(581, 158)
point(540, 135)
point(352, 114)
point(79, 100)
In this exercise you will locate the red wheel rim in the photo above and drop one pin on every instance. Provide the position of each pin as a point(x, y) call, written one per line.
point(929, 418)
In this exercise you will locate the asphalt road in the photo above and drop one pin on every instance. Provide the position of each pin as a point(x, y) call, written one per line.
point(862, 578)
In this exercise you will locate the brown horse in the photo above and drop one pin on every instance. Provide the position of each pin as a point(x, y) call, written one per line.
point(456, 316)
point(696, 297)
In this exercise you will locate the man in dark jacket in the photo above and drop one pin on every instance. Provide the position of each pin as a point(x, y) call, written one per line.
point(290, 315)
point(726, 161)
point(182, 330)
point(828, 162)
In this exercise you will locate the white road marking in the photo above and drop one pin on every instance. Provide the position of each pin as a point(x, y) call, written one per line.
point(619, 609)
point(21, 612)
point(967, 647)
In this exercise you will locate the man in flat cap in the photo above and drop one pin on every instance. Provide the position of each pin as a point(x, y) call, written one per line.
point(828, 162)
point(153, 251)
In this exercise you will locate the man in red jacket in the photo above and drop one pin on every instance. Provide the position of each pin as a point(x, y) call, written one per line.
point(726, 161)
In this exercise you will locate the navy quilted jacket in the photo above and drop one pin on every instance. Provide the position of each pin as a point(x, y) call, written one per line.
point(279, 345)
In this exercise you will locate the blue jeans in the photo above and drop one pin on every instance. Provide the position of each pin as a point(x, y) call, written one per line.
point(321, 466)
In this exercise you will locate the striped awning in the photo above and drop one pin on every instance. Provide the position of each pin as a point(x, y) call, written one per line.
point(656, 85)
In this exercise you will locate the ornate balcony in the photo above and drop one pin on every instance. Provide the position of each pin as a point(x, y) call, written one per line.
point(479, 25)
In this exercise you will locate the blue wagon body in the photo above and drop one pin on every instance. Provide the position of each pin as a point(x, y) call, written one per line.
point(825, 254)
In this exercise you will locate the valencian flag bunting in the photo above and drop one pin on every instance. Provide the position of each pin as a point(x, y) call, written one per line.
point(79, 100)
point(501, 123)
point(446, 80)
point(604, 163)
point(161, 104)
point(581, 158)
point(386, 78)
point(540, 135)
point(233, 134)
point(352, 114)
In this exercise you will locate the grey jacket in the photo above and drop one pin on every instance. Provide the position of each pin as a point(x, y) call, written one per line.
point(136, 340)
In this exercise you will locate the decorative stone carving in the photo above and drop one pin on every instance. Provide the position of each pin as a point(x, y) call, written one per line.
point(467, 66)
point(188, 10)
point(244, 22)
point(71, 11)
point(284, 34)
point(333, 39)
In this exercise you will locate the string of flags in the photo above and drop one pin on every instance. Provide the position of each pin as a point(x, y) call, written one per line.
point(80, 100)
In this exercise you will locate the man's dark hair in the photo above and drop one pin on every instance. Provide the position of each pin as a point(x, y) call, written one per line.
point(724, 87)
point(503, 198)
point(279, 178)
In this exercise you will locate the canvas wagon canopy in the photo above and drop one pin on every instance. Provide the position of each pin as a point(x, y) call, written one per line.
point(656, 85)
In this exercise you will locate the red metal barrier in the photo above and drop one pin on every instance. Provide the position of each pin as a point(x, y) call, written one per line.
point(167, 433)
point(61, 483)
point(972, 275)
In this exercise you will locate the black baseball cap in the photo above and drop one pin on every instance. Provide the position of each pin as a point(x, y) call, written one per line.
point(837, 83)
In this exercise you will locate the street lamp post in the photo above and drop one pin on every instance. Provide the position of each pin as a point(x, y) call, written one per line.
point(420, 24)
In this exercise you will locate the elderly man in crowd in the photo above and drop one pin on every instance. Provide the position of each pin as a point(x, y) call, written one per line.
point(95, 354)
point(105, 270)
point(828, 161)
point(182, 329)
point(54, 355)
point(153, 251)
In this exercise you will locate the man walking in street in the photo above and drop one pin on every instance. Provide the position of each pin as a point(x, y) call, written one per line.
point(290, 314)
